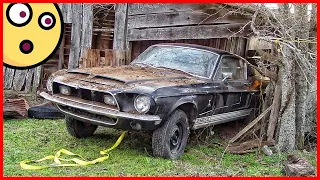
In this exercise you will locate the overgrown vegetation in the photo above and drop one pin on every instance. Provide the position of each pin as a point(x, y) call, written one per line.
point(31, 139)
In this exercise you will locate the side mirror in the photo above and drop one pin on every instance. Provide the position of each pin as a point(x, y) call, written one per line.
point(226, 76)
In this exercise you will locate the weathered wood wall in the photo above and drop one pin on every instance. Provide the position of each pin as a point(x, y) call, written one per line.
point(103, 57)
point(204, 24)
point(25, 81)
point(184, 21)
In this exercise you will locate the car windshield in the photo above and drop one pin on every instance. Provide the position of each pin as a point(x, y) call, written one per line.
point(193, 61)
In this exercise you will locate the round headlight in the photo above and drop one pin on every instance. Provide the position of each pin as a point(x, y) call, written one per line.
point(65, 90)
point(142, 103)
point(108, 99)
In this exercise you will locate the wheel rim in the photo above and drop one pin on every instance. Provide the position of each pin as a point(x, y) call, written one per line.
point(176, 138)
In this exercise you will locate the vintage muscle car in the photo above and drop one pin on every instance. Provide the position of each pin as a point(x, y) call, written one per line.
point(168, 90)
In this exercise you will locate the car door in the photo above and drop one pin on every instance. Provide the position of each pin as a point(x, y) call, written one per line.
point(232, 71)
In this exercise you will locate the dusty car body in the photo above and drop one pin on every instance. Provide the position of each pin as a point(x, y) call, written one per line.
point(168, 90)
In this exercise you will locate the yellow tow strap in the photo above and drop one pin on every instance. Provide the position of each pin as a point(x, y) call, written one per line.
point(78, 162)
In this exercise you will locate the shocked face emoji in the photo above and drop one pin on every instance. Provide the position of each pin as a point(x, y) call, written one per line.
point(31, 33)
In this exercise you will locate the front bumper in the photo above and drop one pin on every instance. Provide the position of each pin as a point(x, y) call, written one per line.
point(89, 112)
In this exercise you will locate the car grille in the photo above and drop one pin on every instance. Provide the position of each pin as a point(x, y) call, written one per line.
point(85, 94)
point(88, 115)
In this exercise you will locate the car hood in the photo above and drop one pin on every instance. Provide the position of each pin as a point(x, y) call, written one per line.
point(125, 78)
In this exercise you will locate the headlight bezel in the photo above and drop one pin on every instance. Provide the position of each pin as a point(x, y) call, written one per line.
point(111, 98)
point(149, 103)
point(68, 89)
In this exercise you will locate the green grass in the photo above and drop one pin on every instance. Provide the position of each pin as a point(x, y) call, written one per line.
point(31, 139)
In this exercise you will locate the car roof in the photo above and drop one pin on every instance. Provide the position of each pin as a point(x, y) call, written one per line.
point(218, 51)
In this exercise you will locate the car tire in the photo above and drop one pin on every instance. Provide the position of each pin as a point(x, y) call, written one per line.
point(170, 140)
point(79, 129)
point(44, 112)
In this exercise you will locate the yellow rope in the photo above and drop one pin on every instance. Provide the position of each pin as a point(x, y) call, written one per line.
point(77, 162)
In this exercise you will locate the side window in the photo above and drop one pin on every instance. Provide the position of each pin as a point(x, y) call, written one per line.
point(232, 67)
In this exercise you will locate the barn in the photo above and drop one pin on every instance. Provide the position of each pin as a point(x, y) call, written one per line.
point(115, 34)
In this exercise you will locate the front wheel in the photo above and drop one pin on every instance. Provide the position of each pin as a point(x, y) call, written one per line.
point(79, 129)
point(170, 140)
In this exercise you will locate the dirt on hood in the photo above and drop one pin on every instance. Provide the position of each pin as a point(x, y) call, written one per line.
point(106, 78)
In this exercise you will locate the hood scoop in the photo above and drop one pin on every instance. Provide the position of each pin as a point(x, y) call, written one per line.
point(108, 78)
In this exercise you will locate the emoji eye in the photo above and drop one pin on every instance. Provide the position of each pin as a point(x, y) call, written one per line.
point(46, 21)
point(19, 14)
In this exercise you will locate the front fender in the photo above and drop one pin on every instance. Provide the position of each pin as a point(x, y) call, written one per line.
point(166, 105)
point(185, 100)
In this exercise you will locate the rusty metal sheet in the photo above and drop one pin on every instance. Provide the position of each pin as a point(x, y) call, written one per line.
point(16, 108)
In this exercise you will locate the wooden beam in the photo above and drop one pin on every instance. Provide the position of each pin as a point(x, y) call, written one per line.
point(250, 125)
point(141, 8)
point(61, 50)
point(87, 23)
point(103, 30)
point(8, 78)
point(182, 18)
point(76, 33)
point(19, 79)
point(37, 78)
point(29, 78)
point(188, 32)
point(120, 27)
point(67, 12)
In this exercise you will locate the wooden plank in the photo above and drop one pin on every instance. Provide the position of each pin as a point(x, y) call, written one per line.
point(103, 30)
point(9, 78)
point(250, 125)
point(36, 78)
point(187, 32)
point(76, 33)
point(29, 78)
point(129, 53)
point(120, 30)
point(4, 77)
point(141, 8)
point(93, 57)
point(108, 57)
point(68, 11)
point(61, 51)
point(19, 79)
point(183, 18)
point(87, 23)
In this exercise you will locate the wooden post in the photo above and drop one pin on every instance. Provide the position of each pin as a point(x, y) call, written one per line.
point(9, 78)
point(120, 26)
point(61, 50)
point(19, 79)
point(29, 78)
point(37, 78)
point(81, 35)
point(120, 41)
point(75, 36)
point(87, 25)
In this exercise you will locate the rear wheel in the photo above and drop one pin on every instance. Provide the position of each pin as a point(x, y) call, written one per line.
point(79, 129)
point(170, 140)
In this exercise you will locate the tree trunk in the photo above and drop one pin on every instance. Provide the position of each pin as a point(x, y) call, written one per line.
point(310, 126)
point(301, 12)
point(287, 126)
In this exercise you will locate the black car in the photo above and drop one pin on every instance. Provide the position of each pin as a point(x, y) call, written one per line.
point(168, 90)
